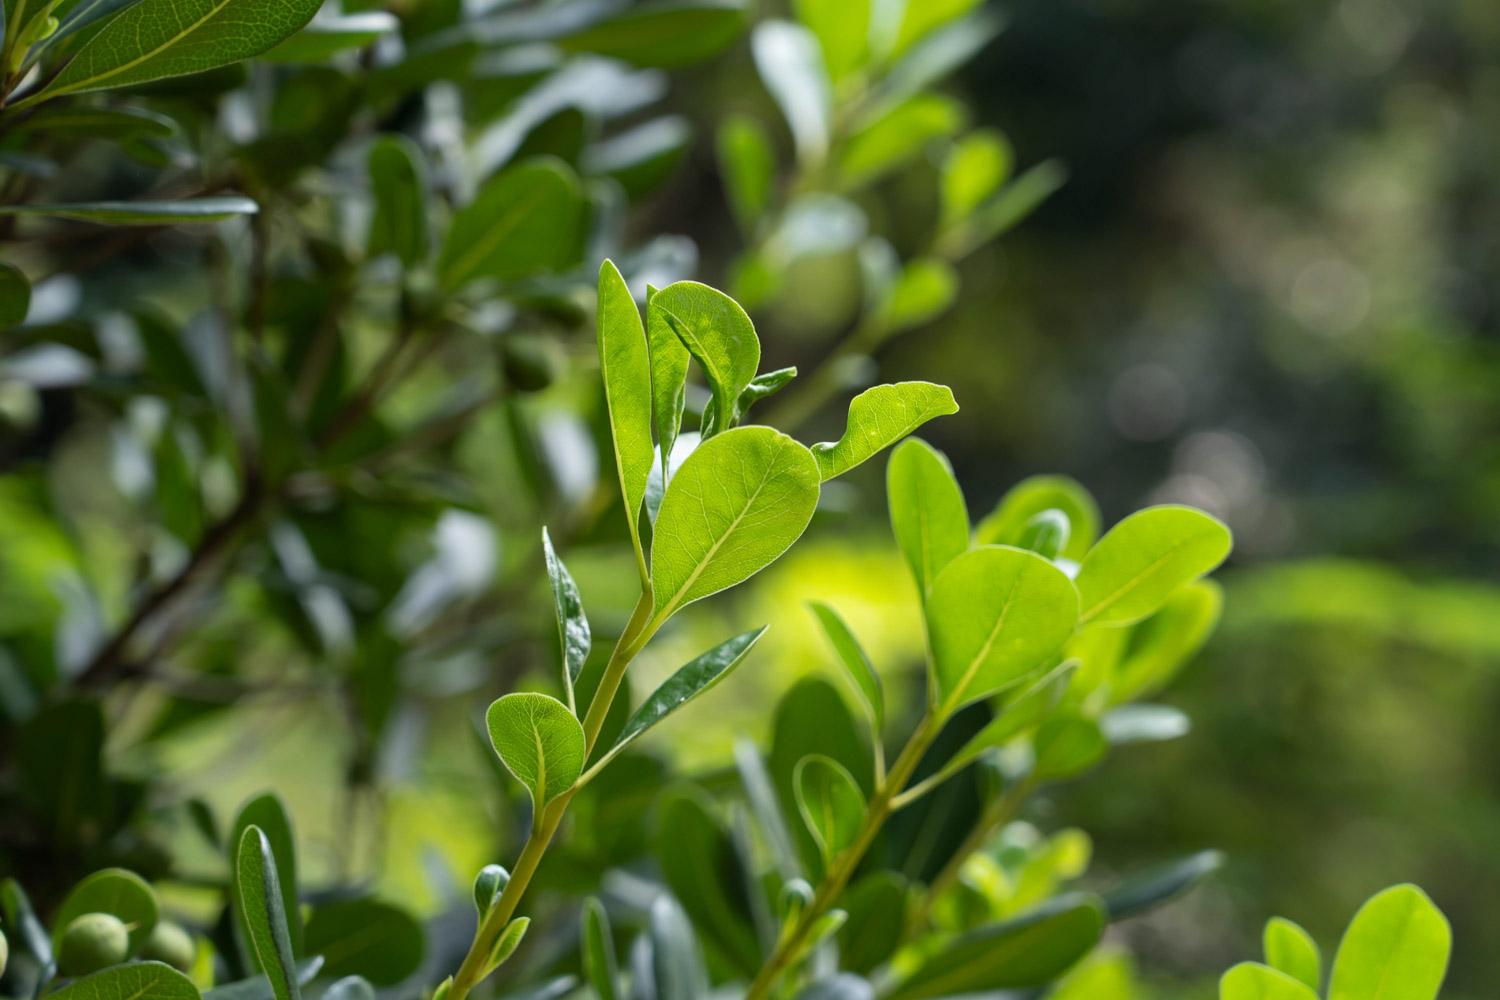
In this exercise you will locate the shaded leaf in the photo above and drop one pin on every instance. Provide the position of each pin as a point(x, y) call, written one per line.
point(852, 658)
point(132, 981)
point(115, 891)
point(15, 296)
point(747, 164)
point(1155, 886)
point(877, 920)
point(830, 802)
point(142, 213)
point(665, 33)
point(399, 187)
point(599, 965)
point(268, 813)
point(524, 220)
point(325, 36)
point(1066, 745)
point(700, 865)
point(383, 943)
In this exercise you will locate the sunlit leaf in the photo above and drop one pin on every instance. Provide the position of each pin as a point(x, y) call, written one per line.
point(540, 742)
point(896, 138)
point(790, 63)
point(573, 633)
point(1253, 981)
point(1007, 522)
point(973, 170)
point(842, 28)
point(1067, 745)
point(1396, 948)
point(880, 417)
point(927, 509)
point(1291, 950)
point(719, 336)
point(1144, 559)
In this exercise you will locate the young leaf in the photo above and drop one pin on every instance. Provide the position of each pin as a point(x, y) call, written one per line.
point(761, 386)
point(1144, 559)
point(748, 167)
point(159, 38)
point(135, 980)
point(1253, 981)
point(669, 367)
point(790, 63)
point(856, 664)
point(264, 913)
point(524, 220)
point(1046, 533)
point(842, 28)
point(880, 417)
point(539, 741)
point(830, 802)
point(1396, 948)
point(399, 187)
point(15, 296)
point(1067, 745)
point(1157, 885)
point(1291, 950)
point(928, 515)
point(1020, 953)
point(268, 813)
point(599, 965)
point(488, 885)
point(973, 170)
point(738, 502)
point(572, 624)
point(508, 941)
point(625, 367)
point(142, 213)
point(690, 680)
point(382, 942)
point(896, 138)
point(115, 891)
point(1028, 498)
point(663, 33)
point(995, 615)
point(1163, 643)
point(719, 336)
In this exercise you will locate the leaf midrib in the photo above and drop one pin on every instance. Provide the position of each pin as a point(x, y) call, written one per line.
point(1131, 584)
point(173, 40)
point(482, 246)
point(984, 651)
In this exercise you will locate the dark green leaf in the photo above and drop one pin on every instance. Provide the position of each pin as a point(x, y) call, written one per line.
point(19, 914)
point(488, 885)
point(666, 33)
point(115, 123)
point(524, 221)
point(1067, 745)
point(599, 965)
point(15, 296)
point(325, 36)
point(1151, 888)
point(877, 921)
point(381, 942)
point(830, 802)
point(699, 863)
point(269, 814)
point(133, 981)
point(399, 186)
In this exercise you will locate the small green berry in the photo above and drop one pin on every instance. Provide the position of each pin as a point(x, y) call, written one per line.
point(170, 943)
point(92, 942)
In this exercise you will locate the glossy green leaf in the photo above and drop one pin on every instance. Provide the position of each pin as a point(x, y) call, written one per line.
point(876, 905)
point(488, 885)
point(1024, 952)
point(748, 165)
point(264, 914)
point(842, 28)
point(738, 502)
point(928, 515)
point(995, 614)
point(922, 292)
point(524, 221)
point(540, 742)
point(398, 185)
point(830, 802)
point(625, 368)
point(880, 417)
point(508, 941)
point(381, 942)
point(268, 813)
point(700, 865)
point(1291, 950)
point(851, 656)
point(142, 213)
point(719, 336)
point(1007, 522)
point(665, 33)
point(789, 60)
point(897, 138)
point(1067, 745)
point(1396, 948)
point(1144, 559)
point(160, 38)
point(677, 967)
point(15, 296)
point(115, 891)
point(82, 14)
point(1161, 645)
point(599, 964)
point(132, 981)
point(114, 123)
point(573, 633)
point(1155, 886)
point(1144, 724)
point(1019, 715)
point(325, 36)
point(1253, 981)
point(973, 170)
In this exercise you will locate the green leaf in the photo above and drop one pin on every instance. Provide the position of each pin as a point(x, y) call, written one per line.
point(830, 802)
point(1007, 522)
point(663, 33)
point(114, 123)
point(925, 289)
point(843, 986)
point(260, 988)
point(507, 943)
point(349, 988)
point(719, 336)
point(1024, 952)
point(856, 664)
point(1253, 981)
point(488, 885)
point(701, 867)
point(116, 891)
point(1158, 885)
point(973, 170)
point(1396, 948)
point(995, 615)
point(1143, 561)
point(748, 166)
point(524, 221)
point(765, 807)
point(382, 942)
point(896, 138)
point(789, 60)
point(761, 386)
point(264, 914)
point(928, 515)
point(677, 968)
point(690, 681)
point(142, 213)
point(15, 296)
point(669, 367)
point(159, 38)
point(877, 920)
point(325, 36)
point(599, 965)
point(81, 15)
point(814, 718)
point(920, 19)
point(1021, 714)
point(1067, 745)
point(539, 741)
point(1162, 644)
point(625, 367)
point(19, 914)
point(268, 813)
point(880, 417)
point(1015, 202)
point(1291, 950)
point(1046, 534)
point(399, 186)
point(842, 28)
point(133, 981)
point(738, 502)
point(573, 633)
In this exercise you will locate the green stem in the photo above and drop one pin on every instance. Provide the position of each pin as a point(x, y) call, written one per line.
point(843, 866)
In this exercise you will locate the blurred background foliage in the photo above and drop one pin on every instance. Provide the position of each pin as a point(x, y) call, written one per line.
point(1267, 288)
